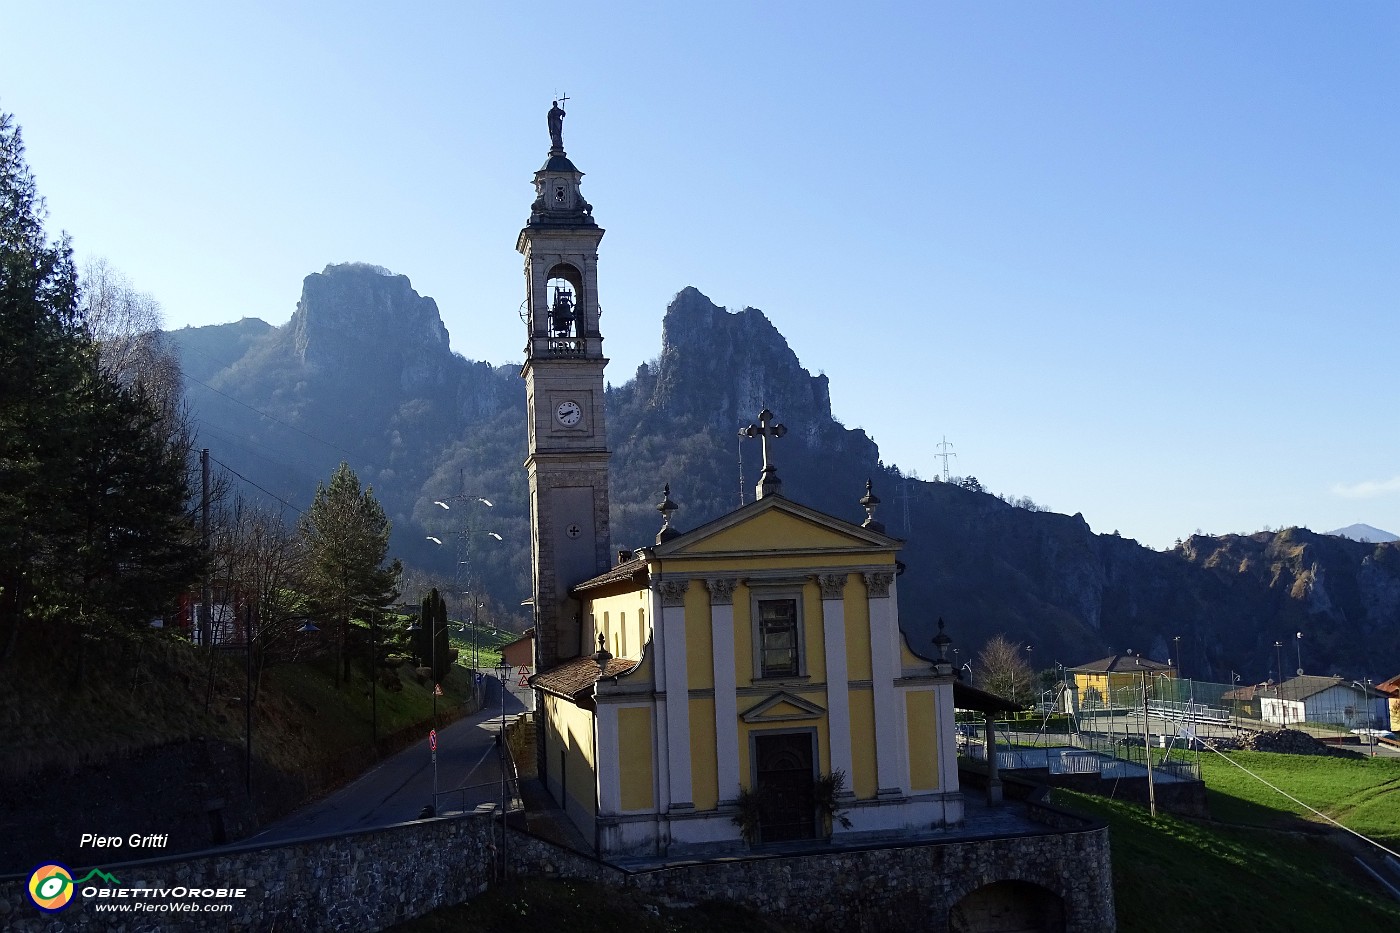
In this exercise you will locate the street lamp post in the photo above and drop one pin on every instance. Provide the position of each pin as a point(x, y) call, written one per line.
point(1300, 653)
point(1278, 684)
point(504, 671)
point(374, 680)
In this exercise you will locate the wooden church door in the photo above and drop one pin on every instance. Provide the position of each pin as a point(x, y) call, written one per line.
point(784, 777)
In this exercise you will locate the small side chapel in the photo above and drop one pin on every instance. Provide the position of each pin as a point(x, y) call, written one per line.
point(744, 681)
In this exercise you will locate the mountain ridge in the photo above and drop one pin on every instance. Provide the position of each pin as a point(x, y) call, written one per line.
point(365, 366)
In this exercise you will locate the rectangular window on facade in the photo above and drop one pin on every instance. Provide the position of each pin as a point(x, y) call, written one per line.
point(778, 638)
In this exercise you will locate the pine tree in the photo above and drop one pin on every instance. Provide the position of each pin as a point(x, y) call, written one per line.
point(347, 538)
point(92, 485)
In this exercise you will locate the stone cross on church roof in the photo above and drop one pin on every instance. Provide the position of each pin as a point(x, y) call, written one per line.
point(768, 482)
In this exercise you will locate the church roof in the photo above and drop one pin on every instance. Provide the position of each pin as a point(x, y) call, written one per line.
point(830, 535)
point(630, 571)
point(850, 533)
point(575, 676)
point(559, 163)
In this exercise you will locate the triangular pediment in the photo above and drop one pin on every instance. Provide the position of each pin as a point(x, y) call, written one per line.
point(782, 707)
point(775, 523)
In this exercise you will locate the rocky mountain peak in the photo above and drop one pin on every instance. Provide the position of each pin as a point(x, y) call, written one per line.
point(739, 362)
point(359, 315)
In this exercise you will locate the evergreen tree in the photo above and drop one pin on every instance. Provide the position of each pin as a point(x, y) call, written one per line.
point(92, 486)
point(347, 541)
point(432, 642)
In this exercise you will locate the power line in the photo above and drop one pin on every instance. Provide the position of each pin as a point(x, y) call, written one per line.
point(256, 486)
point(904, 502)
point(264, 414)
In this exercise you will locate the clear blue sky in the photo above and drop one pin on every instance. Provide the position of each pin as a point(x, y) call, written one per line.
point(1137, 260)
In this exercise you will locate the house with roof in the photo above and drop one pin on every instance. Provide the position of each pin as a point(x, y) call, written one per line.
point(1309, 698)
point(1116, 681)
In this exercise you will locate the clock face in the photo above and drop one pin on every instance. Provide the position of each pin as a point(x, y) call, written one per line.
point(569, 413)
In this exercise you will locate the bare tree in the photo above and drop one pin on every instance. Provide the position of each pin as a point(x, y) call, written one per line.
point(1003, 671)
point(126, 325)
point(259, 569)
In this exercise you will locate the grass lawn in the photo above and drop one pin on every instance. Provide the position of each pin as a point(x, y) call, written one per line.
point(1175, 874)
point(1362, 794)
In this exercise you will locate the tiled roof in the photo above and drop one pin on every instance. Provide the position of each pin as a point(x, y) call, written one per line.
point(632, 570)
point(1122, 664)
point(574, 676)
point(1307, 685)
point(1389, 687)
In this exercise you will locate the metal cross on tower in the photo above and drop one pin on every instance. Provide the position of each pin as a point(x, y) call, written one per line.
point(768, 482)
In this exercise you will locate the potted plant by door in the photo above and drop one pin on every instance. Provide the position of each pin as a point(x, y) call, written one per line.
point(750, 816)
point(826, 792)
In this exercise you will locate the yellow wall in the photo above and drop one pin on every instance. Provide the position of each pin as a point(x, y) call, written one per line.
point(573, 728)
point(704, 768)
point(923, 744)
point(635, 763)
point(773, 531)
point(743, 636)
point(863, 776)
point(813, 633)
point(858, 665)
point(699, 662)
point(736, 566)
point(621, 619)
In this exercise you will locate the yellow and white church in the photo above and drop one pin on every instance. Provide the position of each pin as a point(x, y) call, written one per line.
point(746, 681)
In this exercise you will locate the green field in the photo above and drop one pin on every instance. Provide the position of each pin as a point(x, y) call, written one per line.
point(1362, 794)
point(1262, 862)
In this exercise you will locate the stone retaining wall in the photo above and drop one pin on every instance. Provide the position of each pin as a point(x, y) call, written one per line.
point(895, 888)
point(372, 880)
point(362, 881)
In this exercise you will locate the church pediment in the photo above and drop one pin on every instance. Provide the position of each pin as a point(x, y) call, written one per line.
point(782, 707)
point(775, 524)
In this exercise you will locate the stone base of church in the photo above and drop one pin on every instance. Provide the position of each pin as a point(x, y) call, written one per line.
point(702, 833)
point(920, 813)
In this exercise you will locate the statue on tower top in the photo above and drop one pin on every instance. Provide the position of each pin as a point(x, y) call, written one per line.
point(556, 127)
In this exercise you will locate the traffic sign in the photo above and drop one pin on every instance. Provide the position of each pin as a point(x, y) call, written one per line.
point(432, 740)
point(524, 673)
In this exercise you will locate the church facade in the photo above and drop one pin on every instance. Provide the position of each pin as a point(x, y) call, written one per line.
point(745, 681)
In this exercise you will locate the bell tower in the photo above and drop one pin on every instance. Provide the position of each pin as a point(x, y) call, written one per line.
point(563, 372)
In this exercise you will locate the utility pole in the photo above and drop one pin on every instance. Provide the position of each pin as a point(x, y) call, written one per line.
point(1147, 748)
point(204, 595)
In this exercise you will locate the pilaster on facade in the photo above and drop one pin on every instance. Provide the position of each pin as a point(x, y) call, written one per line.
point(677, 682)
point(892, 773)
point(721, 591)
point(838, 695)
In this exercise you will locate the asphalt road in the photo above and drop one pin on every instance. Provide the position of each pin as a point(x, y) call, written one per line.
point(398, 788)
